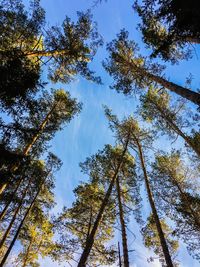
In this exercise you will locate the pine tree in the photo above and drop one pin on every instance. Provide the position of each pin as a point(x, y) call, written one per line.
point(36, 237)
point(106, 167)
point(157, 109)
point(138, 139)
point(20, 30)
point(131, 71)
point(44, 120)
point(168, 27)
point(75, 224)
point(178, 197)
point(125, 193)
point(26, 45)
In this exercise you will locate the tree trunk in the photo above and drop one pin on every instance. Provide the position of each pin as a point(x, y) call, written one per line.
point(19, 228)
point(163, 242)
point(123, 226)
point(54, 53)
point(14, 216)
point(90, 241)
point(182, 91)
point(90, 224)
point(40, 130)
point(45, 53)
point(27, 253)
point(3, 187)
point(119, 255)
point(190, 39)
point(3, 212)
point(177, 130)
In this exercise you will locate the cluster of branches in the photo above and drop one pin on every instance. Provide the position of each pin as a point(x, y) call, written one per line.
point(31, 116)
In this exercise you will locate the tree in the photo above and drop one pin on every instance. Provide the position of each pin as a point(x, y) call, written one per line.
point(132, 71)
point(67, 50)
point(79, 220)
point(44, 120)
point(177, 195)
point(36, 236)
point(138, 139)
point(125, 193)
point(40, 198)
point(119, 157)
point(151, 239)
point(168, 27)
point(156, 108)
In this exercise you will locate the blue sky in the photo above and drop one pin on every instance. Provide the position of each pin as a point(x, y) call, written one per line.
point(89, 131)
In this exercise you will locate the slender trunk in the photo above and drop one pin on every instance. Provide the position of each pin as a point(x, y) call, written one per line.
point(19, 229)
point(176, 129)
point(3, 187)
point(190, 39)
point(123, 226)
point(14, 216)
point(119, 255)
point(90, 241)
point(90, 224)
point(182, 91)
point(40, 130)
point(45, 53)
point(3, 212)
point(29, 145)
point(54, 53)
point(161, 235)
point(27, 253)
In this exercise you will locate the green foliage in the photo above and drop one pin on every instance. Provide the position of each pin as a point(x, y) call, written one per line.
point(26, 45)
point(168, 27)
point(177, 197)
point(72, 46)
point(19, 30)
point(79, 219)
point(127, 67)
point(156, 108)
point(151, 240)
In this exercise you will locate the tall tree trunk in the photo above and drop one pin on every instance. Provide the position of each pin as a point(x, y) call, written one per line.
point(54, 53)
point(181, 91)
point(14, 216)
point(28, 147)
point(161, 235)
point(90, 224)
point(119, 255)
point(3, 187)
point(45, 53)
point(90, 241)
point(191, 39)
point(19, 228)
point(27, 253)
point(177, 129)
point(3, 212)
point(40, 130)
point(123, 226)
